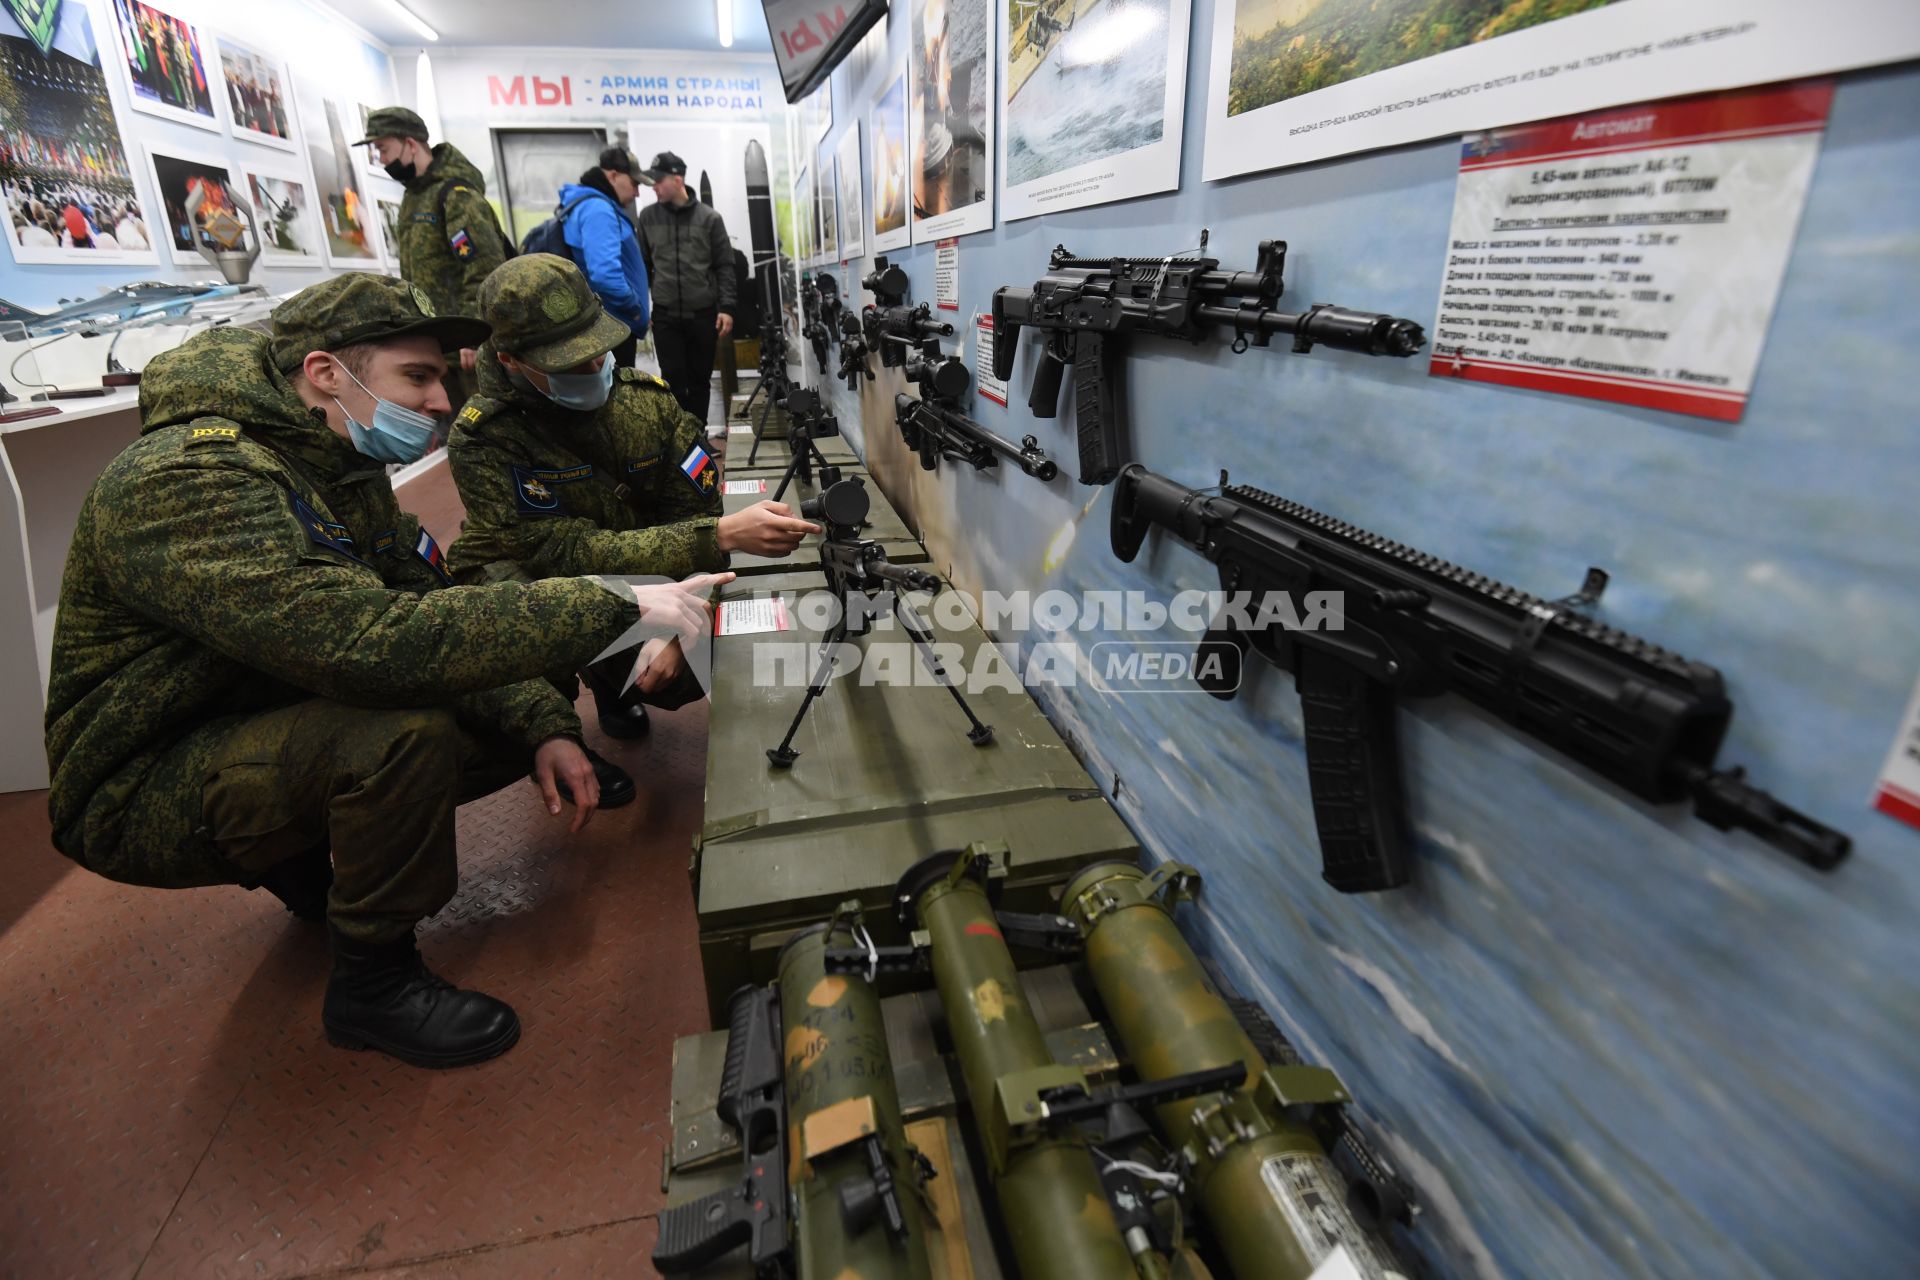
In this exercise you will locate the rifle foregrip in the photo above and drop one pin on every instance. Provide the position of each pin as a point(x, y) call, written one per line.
point(700, 1231)
point(1094, 422)
point(1353, 767)
point(743, 1007)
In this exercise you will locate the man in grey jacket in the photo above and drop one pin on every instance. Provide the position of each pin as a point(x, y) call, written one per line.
point(690, 264)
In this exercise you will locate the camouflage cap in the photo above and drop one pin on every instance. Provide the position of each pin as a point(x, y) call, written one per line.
point(393, 122)
point(355, 307)
point(544, 313)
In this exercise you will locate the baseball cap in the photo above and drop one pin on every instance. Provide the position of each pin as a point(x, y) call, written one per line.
point(663, 164)
point(623, 162)
point(393, 122)
point(543, 312)
point(355, 308)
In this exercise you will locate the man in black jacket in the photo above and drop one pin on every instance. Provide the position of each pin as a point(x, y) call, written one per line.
point(690, 266)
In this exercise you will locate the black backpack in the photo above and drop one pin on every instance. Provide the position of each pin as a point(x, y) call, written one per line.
point(550, 236)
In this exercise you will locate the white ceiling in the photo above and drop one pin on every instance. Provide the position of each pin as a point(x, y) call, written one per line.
point(566, 24)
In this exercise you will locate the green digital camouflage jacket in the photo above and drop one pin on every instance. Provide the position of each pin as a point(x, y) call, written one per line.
point(449, 239)
point(628, 488)
point(239, 556)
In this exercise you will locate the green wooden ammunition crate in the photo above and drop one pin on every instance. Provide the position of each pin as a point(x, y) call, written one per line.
point(885, 777)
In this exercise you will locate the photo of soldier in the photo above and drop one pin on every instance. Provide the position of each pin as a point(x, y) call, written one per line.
point(257, 95)
point(66, 192)
point(165, 64)
point(179, 180)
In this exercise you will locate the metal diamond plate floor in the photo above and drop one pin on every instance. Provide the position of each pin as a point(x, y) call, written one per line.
point(170, 1108)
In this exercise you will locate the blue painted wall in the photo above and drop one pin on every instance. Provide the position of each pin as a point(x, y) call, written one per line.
point(1605, 1040)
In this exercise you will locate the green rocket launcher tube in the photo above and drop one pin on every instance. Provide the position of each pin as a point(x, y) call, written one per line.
point(1266, 1191)
point(856, 1182)
point(1052, 1204)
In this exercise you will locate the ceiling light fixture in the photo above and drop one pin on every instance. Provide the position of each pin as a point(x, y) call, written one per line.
point(412, 19)
point(723, 17)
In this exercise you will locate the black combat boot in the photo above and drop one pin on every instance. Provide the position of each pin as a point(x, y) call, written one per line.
point(302, 883)
point(382, 996)
point(616, 784)
point(622, 714)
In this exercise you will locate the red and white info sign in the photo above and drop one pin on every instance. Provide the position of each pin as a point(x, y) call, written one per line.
point(1632, 255)
point(1898, 791)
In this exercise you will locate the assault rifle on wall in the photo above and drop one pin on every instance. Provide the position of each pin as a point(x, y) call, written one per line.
point(936, 425)
point(1083, 303)
point(891, 327)
point(854, 364)
point(1414, 625)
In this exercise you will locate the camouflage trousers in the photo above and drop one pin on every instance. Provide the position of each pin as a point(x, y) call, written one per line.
point(376, 787)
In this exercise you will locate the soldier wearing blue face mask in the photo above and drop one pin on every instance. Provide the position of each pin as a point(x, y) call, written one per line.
point(261, 675)
point(567, 465)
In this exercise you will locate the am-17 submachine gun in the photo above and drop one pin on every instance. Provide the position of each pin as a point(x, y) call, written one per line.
point(813, 1053)
point(861, 578)
point(1415, 626)
point(1083, 303)
point(891, 327)
point(936, 425)
point(753, 1102)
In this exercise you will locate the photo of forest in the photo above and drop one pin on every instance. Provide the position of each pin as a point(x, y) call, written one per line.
point(1284, 48)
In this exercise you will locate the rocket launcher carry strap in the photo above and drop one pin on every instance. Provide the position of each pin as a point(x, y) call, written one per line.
point(752, 1100)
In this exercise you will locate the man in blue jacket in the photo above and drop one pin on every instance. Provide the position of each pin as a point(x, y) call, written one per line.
point(600, 236)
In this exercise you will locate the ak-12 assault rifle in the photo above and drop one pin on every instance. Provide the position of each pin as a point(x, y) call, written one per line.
point(1082, 304)
point(854, 364)
point(822, 309)
point(753, 1101)
point(936, 425)
point(1414, 625)
point(891, 327)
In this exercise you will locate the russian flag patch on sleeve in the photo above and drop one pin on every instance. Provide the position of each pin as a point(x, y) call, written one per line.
point(429, 550)
point(462, 244)
point(700, 470)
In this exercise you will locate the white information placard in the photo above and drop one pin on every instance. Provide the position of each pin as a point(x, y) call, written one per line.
point(989, 387)
point(752, 617)
point(1898, 792)
point(1632, 255)
point(946, 275)
point(739, 488)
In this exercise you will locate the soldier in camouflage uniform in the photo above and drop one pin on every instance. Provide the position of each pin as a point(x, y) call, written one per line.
point(255, 664)
point(567, 465)
point(449, 238)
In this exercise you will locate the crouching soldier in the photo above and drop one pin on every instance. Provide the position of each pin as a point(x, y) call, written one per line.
point(261, 677)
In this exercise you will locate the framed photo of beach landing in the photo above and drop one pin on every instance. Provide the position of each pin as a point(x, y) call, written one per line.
point(1092, 98)
point(170, 73)
point(259, 95)
point(67, 194)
